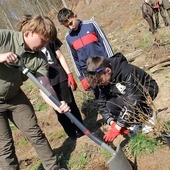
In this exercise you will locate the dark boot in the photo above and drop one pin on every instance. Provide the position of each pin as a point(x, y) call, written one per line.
point(158, 27)
point(58, 168)
point(166, 24)
point(154, 32)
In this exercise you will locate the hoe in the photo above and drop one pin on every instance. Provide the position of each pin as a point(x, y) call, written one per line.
point(118, 160)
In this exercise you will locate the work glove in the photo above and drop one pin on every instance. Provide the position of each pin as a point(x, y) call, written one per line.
point(157, 5)
point(85, 84)
point(113, 133)
point(124, 131)
point(71, 81)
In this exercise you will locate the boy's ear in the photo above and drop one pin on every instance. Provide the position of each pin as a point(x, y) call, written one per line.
point(108, 70)
point(75, 15)
point(29, 33)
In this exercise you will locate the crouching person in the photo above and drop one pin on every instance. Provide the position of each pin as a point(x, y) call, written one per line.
point(126, 92)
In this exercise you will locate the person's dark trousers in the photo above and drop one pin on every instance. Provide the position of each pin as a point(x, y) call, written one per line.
point(168, 12)
point(162, 12)
point(156, 15)
point(64, 93)
point(20, 111)
point(151, 24)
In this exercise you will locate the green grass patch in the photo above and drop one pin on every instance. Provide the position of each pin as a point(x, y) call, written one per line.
point(105, 154)
point(79, 160)
point(166, 127)
point(37, 166)
point(61, 134)
point(23, 143)
point(41, 107)
point(144, 42)
point(58, 134)
point(140, 144)
point(12, 126)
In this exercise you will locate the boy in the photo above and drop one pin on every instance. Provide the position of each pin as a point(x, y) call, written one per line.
point(35, 33)
point(166, 5)
point(84, 39)
point(125, 92)
point(63, 83)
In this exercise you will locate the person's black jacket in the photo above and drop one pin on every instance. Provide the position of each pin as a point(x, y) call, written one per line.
point(132, 83)
point(57, 73)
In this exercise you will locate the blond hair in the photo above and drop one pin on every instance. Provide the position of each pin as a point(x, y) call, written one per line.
point(42, 25)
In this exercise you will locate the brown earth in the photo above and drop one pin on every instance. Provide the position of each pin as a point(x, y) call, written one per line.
point(128, 33)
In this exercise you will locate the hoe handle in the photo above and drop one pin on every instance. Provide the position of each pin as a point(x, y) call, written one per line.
point(68, 114)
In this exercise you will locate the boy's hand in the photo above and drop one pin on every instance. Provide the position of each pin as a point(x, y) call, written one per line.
point(111, 134)
point(8, 57)
point(157, 5)
point(71, 81)
point(63, 108)
point(124, 131)
point(114, 132)
point(85, 84)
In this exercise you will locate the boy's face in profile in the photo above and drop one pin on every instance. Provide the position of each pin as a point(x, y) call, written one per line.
point(72, 23)
point(34, 41)
point(104, 78)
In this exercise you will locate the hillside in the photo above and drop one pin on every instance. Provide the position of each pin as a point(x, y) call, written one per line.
point(128, 33)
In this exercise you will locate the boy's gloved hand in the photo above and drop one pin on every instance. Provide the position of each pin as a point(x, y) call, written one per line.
point(71, 81)
point(157, 5)
point(85, 84)
point(124, 131)
point(111, 134)
point(114, 132)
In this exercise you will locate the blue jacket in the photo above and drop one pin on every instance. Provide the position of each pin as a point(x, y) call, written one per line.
point(88, 40)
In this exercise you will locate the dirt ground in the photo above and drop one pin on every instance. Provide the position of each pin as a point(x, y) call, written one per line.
point(128, 33)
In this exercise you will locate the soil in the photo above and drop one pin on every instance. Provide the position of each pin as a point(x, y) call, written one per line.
point(128, 33)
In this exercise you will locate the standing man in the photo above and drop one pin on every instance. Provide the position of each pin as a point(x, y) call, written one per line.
point(84, 39)
point(147, 13)
point(35, 33)
point(158, 8)
point(166, 5)
point(63, 83)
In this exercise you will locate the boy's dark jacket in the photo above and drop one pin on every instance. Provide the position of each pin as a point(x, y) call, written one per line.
point(135, 81)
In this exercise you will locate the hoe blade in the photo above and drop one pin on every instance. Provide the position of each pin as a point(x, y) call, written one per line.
point(119, 161)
